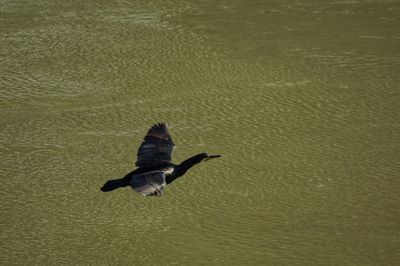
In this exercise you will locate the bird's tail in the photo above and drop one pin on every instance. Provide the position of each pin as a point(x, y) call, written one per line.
point(114, 184)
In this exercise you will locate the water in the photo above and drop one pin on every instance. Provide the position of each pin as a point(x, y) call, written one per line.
point(300, 97)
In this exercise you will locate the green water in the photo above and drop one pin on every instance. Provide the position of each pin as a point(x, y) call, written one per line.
point(301, 98)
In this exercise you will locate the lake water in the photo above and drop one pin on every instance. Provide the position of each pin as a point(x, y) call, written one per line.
point(300, 97)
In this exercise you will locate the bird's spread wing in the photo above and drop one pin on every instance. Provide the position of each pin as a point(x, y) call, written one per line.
point(156, 148)
point(149, 183)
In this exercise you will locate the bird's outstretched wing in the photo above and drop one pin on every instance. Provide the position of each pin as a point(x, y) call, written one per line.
point(156, 148)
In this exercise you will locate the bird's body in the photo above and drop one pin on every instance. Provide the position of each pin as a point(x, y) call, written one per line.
point(155, 169)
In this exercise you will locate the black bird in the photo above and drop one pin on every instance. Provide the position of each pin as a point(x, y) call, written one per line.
point(155, 169)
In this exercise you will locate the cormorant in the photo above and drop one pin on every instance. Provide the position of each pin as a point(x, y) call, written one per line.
point(154, 168)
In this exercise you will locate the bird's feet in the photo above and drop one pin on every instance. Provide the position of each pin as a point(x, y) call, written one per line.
point(157, 192)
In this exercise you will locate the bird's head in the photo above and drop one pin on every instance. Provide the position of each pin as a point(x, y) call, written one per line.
point(207, 157)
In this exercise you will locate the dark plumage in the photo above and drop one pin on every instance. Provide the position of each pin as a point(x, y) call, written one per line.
point(155, 169)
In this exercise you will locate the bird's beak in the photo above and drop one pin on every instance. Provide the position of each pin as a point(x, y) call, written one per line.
point(209, 157)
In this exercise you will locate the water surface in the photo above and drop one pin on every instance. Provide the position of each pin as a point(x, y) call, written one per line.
point(301, 98)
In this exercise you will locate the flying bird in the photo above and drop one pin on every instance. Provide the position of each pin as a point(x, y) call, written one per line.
point(154, 167)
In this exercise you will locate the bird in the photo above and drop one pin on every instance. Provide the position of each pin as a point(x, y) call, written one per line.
point(154, 169)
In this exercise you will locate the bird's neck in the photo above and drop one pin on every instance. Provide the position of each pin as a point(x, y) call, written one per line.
point(189, 163)
point(182, 168)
